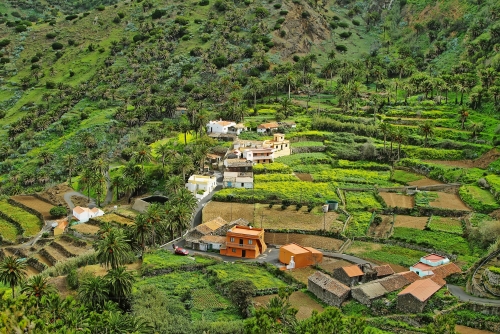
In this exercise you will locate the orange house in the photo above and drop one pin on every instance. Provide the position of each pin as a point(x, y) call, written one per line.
point(244, 241)
point(302, 256)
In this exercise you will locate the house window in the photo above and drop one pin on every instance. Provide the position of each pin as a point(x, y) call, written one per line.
point(233, 250)
point(243, 185)
point(232, 239)
point(250, 242)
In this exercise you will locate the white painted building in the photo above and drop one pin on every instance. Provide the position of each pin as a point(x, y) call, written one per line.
point(259, 155)
point(227, 127)
point(268, 127)
point(428, 263)
point(84, 214)
point(238, 180)
point(212, 242)
point(201, 185)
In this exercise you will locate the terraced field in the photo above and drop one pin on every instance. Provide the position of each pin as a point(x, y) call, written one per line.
point(30, 223)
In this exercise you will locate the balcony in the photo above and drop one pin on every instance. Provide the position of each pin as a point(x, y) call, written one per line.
point(241, 246)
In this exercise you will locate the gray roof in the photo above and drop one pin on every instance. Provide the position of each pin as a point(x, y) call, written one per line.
point(372, 290)
point(328, 283)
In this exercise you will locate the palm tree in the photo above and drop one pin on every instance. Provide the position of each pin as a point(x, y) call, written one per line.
point(154, 216)
point(180, 215)
point(464, 114)
point(174, 183)
point(70, 162)
point(142, 155)
point(163, 151)
point(142, 229)
point(285, 107)
point(115, 182)
point(184, 197)
point(120, 284)
point(37, 286)
point(113, 250)
point(399, 137)
point(290, 80)
point(184, 164)
point(87, 181)
point(318, 88)
point(476, 128)
point(385, 128)
point(12, 272)
point(94, 291)
point(255, 87)
point(427, 130)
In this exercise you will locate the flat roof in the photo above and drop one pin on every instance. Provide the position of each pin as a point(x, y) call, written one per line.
point(294, 248)
point(246, 230)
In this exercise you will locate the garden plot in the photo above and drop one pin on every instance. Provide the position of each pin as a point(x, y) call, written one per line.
point(418, 223)
point(8, 231)
point(398, 200)
point(302, 274)
point(449, 201)
point(382, 229)
point(272, 218)
point(330, 263)
point(314, 241)
point(446, 224)
point(42, 259)
point(383, 254)
point(56, 254)
point(30, 223)
point(304, 177)
point(425, 182)
point(85, 228)
point(35, 204)
point(114, 218)
point(298, 299)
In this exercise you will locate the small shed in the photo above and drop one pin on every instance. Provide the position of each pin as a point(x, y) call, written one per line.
point(350, 275)
point(367, 293)
point(209, 242)
point(446, 270)
point(414, 298)
point(327, 289)
point(383, 271)
point(302, 256)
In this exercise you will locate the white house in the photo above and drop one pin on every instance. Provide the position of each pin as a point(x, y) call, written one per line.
point(84, 214)
point(226, 127)
point(238, 180)
point(201, 185)
point(267, 127)
point(428, 263)
point(259, 155)
point(212, 242)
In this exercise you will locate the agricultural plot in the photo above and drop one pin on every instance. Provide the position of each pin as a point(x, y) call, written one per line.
point(307, 143)
point(31, 224)
point(446, 224)
point(355, 176)
point(380, 228)
point(298, 299)
point(449, 201)
point(194, 286)
point(8, 231)
point(273, 218)
point(478, 199)
point(306, 240)
point(385, 253)
point(114, 218)
point(85, 228)
point(227, 272)
point(397, 200)
point(359, 224)
point(304, 159)
point(405, 177)
point(478, 219)
point(356, 200)
point(161, 259)
point(35, 204)
point(418, 223)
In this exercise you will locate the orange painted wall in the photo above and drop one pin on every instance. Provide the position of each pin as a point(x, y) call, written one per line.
point(250, 254)
point(302, 259)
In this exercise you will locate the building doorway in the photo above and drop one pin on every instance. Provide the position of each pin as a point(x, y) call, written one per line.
point(243, 253)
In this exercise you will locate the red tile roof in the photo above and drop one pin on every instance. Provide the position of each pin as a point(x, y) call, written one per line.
point(268, 125)
point(411, 276)
point(434, 257)
point(422, 266)
point(384, 270)
point(353, 271)
point(422, 290)
point(446, 270)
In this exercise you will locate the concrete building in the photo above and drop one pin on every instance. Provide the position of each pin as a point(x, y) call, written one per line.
point(212, 242)
point(84, 214)
point(268, 127)
point(201, 185)
point(259, 155)
point(302, 256)
point(350, 275)
point(430, 263)
point(244, 241)
point(414, 298)
point(225, 127)
point(238, 180)
point(238, 165)
point(327, 289)
point(211, 234)
point(280, 145)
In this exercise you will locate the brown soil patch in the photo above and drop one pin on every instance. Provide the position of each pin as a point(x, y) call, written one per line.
point(272, 218)
point(80, 201)
point(35, 204)
point(303, 240)
point(425, 182)
point(55, 195)
point(42, 259)
point(398, 200)
point(329, 263)
point(114, 218)
point(85, 228)
point(74, 249)
point(381, 230)
point(31, 271)
point(99, 270)
point(410, 221)
point(61, 286)
point(467, 330)
point(481, 162)
point(302, 274)
point(449, 201)
point(56, 254)
point(361, 247)
point(299, 300)
point(304, 177)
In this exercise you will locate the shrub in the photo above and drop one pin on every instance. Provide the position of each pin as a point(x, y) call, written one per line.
point(345, 34)
point(72, 279)
point(50, 85)
point(21, 28)
point(343, 24)
point(158, 13)
point(51, 35)
point(333, 25)
point(204, 3)
point(305, 15)
point(58, 211)
point(277, 5)
point(341, 47)
point(283, 12)
point(71, 42)
point(57, 46)
point(4, 60)
point(356, 22)
point(121, 15)
point(181, 20)
point(35, 59)
point(71, 17)
point(101, 8)
point(116, 20)
point(4, 42)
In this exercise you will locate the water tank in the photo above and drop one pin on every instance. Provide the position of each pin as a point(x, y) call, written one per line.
point(332, 205)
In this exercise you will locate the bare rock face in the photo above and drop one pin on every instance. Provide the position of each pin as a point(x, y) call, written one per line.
point(301, 32)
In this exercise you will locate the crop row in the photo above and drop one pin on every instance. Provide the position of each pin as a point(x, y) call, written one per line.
point(31, 224)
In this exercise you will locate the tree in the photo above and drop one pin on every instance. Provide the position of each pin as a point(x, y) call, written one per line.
point(93, 291)
point(142, 155)
point(58, 211)
point(142, 230)
point(399, 136)
point(70, 163)
point(385, 128)
point(427, 130)
point(290, 80)
point(241, 292)
point(113, 251)
point(318, 88)
point(120, 285)
point(285, 107)
point(331, 320)
point(37, 286)
point(464, 114)
point(475, 128)
point(164, 151)
point(174, 183)
point(184, 164)
point(255, 87)
point(12, 272)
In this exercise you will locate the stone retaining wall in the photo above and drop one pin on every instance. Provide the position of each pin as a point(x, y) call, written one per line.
point(26, 208)
point(49, 257)
point(36, 264)
point(63, 250)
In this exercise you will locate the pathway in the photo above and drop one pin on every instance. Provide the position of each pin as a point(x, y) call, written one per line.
point(69, 194)
point(459, 292)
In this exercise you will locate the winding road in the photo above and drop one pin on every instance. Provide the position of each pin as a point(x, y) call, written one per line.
point(459, 292)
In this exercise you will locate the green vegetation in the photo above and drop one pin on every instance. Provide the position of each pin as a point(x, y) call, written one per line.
point(361, 201)
point(272, 168)
point(162, 259)
point(31, 224)
point(224, 273)
point(8, 231)
point(304, 159)
point(307, 144)
point(423, 198)
point(443, 224)
point(405, 177)
point(479, 199)
point(495, 270)
point(387, 253)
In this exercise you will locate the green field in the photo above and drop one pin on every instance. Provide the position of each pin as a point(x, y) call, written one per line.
point(443, 224)
point(226, 272)
point(31, 224)
point(163, 259)
point(7, 230)
point(386, 253)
